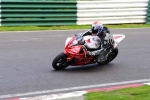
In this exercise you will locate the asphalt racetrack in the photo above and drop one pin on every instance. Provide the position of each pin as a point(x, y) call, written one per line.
point(26, 61)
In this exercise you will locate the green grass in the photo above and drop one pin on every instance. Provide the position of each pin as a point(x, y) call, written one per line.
point(139, 93)
point(31, 28)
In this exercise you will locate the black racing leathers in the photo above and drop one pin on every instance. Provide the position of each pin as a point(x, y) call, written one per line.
point(106, 40)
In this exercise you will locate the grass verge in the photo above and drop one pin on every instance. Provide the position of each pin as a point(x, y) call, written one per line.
point(139, 93)
point(71, 27)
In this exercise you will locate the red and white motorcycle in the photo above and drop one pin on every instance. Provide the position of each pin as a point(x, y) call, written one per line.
point(75, 55)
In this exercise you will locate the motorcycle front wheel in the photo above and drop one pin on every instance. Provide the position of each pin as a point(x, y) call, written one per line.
point(60, 62)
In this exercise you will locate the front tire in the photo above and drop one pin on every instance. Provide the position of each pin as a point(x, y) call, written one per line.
point(60, 62)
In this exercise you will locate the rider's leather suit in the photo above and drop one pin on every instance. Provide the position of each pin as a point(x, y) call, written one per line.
point(106, 40)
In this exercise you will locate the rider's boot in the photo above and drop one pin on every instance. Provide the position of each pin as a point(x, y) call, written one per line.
point(103, 55)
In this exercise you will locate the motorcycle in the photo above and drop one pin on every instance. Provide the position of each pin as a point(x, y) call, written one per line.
point(74, 53)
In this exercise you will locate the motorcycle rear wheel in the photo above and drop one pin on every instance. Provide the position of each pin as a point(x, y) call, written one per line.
point(110, 57)
point(60, 62)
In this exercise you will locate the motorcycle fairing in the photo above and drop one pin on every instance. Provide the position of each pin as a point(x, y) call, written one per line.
point(67, 41)
point(73, 49)
point(76, 53)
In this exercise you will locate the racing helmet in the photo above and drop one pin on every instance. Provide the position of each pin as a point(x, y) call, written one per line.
point(97, 28)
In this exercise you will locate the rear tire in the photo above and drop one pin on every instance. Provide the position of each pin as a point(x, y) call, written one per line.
point(110, 57)
point(60, 62)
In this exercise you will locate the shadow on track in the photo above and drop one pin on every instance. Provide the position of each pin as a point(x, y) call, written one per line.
point(88, 68)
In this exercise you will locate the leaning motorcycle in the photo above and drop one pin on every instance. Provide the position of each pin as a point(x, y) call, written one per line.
point(74, 54)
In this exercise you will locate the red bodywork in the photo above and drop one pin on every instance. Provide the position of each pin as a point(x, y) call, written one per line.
point(77, 53)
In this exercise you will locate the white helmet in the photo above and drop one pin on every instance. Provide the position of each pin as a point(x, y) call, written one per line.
point(97, 28)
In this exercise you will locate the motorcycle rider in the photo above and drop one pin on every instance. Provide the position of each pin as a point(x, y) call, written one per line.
point(106, 37)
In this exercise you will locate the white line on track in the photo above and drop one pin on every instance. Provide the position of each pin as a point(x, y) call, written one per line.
point(73, 88)
point(29, 39)
point(67, 30)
